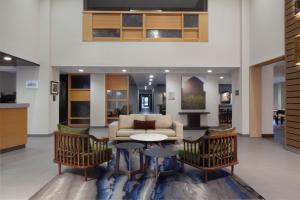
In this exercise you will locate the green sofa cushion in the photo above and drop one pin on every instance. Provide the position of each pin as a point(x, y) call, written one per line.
point(68, 129)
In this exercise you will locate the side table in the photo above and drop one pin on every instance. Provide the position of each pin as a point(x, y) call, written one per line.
point(129, 146)
point(159, 152)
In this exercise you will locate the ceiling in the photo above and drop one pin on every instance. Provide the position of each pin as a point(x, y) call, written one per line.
point(140, 75)
point(147, 70)
point(15, 61)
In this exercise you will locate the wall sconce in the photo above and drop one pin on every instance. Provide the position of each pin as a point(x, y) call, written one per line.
point(297, 7)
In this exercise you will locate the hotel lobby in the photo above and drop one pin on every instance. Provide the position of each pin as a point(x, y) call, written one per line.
point(149, 99)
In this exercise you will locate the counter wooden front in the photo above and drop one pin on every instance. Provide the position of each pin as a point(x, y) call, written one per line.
point(13, 126)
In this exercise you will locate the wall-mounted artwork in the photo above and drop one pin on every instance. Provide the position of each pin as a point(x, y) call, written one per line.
point(225, 91)
point(192, 93)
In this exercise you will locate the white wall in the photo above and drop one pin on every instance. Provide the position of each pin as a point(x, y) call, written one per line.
point(20, 28)
point(267, 96)
point(221, 50)
point(97, 103)
point(236, 101)
point(267, 29)
point(7, 82)
point(43, 111)
point(211, 87)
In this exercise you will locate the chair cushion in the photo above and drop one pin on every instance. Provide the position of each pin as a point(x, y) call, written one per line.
point(145, 125)
point(161, 121)
point(68, 129)
point(129, 132)
point(167, 132)
point(212, 132)
point(125, 121)
point(139, 117)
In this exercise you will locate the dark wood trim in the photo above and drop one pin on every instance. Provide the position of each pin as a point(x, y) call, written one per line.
point(271, 61)
point(12, 148)
point(267, 135)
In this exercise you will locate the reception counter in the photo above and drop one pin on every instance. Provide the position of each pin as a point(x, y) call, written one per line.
point(13, 126)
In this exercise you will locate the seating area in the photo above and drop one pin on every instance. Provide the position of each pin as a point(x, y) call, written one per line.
point(74, 147)
point(149, 99)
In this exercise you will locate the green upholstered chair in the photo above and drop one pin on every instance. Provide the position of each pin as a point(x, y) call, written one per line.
point(216, 149)
point(74, 147)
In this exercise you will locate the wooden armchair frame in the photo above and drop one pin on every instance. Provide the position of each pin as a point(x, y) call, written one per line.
point(80, 151)
point(211, 152)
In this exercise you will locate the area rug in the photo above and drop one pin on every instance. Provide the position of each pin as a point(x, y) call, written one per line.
point(182, 185)
point(104, 185)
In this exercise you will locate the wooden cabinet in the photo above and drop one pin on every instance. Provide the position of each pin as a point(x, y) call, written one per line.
point(117, 97)
point(79, 100)
point(145, 26)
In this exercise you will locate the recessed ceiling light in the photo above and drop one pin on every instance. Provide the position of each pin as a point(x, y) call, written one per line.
point(209, 71)
point(149, 83)
point(151, 76)
point(145, 87)
point(124, 70)
point(221, 77)
point(7, 58)
point(150, 79)
point(80, 70)
point(167, 70)
point(298, 63)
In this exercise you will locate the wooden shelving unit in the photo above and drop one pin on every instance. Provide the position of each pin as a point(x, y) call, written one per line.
point(117, 96)
point(145, 26)
point(79, 100)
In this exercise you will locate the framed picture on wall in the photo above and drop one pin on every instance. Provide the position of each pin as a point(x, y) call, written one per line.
point(54, 88)
point(193, 95)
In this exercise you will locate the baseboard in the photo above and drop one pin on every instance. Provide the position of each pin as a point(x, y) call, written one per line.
point(244, 135)
point(98, 126)
point(12, 148)
point(267, 135)
point(40, 135)
point(294, 150)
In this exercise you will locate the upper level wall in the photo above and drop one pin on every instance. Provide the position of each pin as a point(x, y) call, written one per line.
point(19, 30)
point(222, 50)
point(266, 30)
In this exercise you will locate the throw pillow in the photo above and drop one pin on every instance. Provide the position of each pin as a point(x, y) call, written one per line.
point(137, 124)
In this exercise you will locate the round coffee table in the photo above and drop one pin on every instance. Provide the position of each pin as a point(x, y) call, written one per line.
point(129, 146)
point(159, 152)
point(149, 137)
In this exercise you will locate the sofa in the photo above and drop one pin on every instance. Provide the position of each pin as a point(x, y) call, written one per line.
point(124, 128)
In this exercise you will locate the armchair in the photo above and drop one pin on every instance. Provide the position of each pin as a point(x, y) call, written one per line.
point(215, 150)
point(80, 151)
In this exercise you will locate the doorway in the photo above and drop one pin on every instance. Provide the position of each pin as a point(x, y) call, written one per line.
point(145, 103)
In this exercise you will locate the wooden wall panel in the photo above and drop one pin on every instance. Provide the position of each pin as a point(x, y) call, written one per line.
point(107, 20)
point(155, 21)
point(292, 50)
point(87, 27)
point(255, 101)
point(117, 82)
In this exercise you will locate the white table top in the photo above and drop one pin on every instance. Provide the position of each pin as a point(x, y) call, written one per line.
point(149, 137)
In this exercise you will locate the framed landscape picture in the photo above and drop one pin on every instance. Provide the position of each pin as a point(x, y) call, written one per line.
point(192, 93)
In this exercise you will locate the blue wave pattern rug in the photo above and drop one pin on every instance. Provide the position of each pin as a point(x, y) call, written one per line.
point(187, 185)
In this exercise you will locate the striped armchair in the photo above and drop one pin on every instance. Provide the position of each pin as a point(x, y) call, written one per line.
point(215, 150)
point(80, 151)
